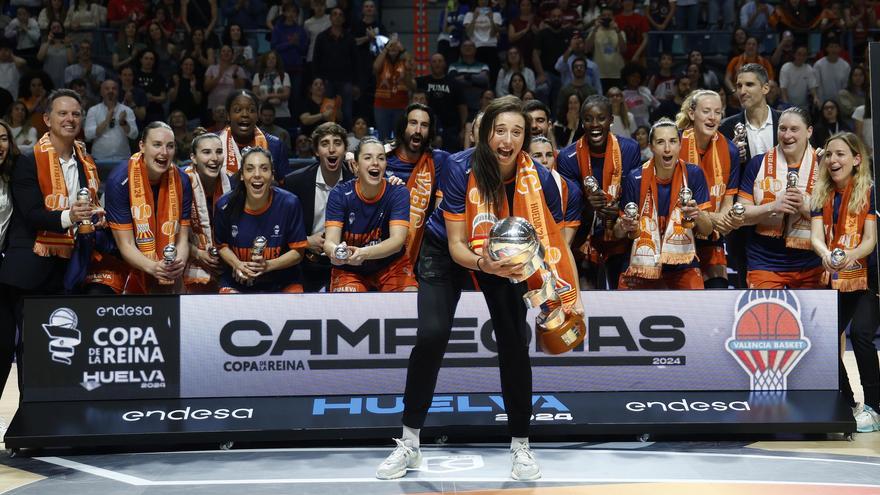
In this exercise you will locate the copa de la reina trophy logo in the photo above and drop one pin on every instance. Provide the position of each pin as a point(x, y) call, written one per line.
point(63, 335)
point(768, 337)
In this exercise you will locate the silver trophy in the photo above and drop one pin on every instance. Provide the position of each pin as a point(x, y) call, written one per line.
point(341, 252)
point(515, 239)
point(86, 226)
point(213, 251)
point(258, 247)
point(169, 254)
point(631, 211)
point(737, 210)
point(685, 195)
point(591, 184)
point(837, 257)
point(791, 180)
point(740, 139)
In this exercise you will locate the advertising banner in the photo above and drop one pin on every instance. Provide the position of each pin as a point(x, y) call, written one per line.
point(88, 348)
point(359, 344)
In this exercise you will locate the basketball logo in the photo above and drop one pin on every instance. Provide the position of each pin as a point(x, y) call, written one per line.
point(768, 337)
point(63, 335)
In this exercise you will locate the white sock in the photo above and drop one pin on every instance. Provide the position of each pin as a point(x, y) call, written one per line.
point(518, 441)
point(411, 434)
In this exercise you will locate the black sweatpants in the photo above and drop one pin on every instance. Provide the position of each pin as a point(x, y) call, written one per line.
point(440, 285)
point(861, 309)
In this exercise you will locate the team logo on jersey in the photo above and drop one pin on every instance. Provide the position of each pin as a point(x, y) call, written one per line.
point(351, 218)
point(276, 230)
point(234, 231)
point(768, 337)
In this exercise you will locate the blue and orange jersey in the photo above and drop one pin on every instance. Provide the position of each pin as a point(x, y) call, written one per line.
point(453, 204)
point(872, 215)
point(401, 168)
point(117, 199)
point(280, 222)
point(567, 166)
point(631, 190)
point(765, 252)
point(367, 222)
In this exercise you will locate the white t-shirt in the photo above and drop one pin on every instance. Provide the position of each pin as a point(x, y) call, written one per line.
point(273, 85)
point(832, 77)
point(483, 26)
point(9, 77)
point(798, 81)
point(315, 27)
point(867, 127)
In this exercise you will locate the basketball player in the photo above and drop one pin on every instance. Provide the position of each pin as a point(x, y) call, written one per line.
point(663, 254)
point(372, 217)
point(844, 217)
point(542, 151)
point(255, 208)
point(609, 159)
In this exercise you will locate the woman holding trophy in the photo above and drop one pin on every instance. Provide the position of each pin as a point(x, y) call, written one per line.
point(259, 230)
point(366, 228)
point(702, 144)
point(844, 235)
point(664, 207)
point(495, 180)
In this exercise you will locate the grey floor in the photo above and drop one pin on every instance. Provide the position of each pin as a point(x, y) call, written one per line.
point(454, 469)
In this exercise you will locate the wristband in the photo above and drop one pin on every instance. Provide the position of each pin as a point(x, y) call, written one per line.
point(480, 268)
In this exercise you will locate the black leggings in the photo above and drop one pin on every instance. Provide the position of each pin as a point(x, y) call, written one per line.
point(861, 310)
point(7, 334)
point(440, 284)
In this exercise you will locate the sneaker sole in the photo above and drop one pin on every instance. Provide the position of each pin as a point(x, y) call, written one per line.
point(401, 474)
point(532, 478)
point(869, 429)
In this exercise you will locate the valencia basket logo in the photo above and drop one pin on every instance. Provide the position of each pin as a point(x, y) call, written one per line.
point(63, 334)
point(768, 337)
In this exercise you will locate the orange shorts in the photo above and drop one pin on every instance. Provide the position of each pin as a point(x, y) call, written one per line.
point(711, 254)
point(108, 270)
point(290, 289)
point(804, 279)
point(396, 277)
point(689, 278)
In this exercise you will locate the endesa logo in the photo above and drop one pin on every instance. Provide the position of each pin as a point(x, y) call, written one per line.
point(124, 310)
point(187, 413)
point(546, 407)
point(684, 405)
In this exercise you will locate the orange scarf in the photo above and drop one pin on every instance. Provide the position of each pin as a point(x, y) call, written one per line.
point(715, 163)
point(649, 253)
point(420, 184)
point(846, 234)
point(795, 228)
point(611, 176)
point(144, 213)
point(201, 224)
point(56, 196)
point(230, 147)
point(529, 204)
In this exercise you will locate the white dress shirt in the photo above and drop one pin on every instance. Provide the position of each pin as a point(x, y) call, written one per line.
point(322, 193)
point(71, 178)
point(760, 138)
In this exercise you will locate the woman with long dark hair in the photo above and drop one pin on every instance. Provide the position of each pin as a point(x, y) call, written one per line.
point(21, 132)
point(242, 53)
point(831, 121)
point(845, 221)
point(481, 184)
point(186, 92)
point(255, 209)
point(8, 155)
point(128, 46)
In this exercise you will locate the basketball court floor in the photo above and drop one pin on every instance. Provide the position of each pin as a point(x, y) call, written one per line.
point(621, 466)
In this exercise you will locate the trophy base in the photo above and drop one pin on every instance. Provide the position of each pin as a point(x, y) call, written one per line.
point(561, 338)
point(85, 228)
point(688, 223)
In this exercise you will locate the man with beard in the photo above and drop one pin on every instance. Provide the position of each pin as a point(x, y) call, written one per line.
point(420, 167)
point(312, 186)
point(608, 159)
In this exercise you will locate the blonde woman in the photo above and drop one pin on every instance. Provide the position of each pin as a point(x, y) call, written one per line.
point(701, 143)
point(844, 235)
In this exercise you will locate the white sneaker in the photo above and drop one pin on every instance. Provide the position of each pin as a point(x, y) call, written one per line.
point(858, 408)
point(3, 428)
point(403, 457)
point(868, 420)
point(525, 467)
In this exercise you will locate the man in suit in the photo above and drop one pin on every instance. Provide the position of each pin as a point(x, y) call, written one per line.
point(46, 210)
point(761, 123)
point(312, 185)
